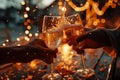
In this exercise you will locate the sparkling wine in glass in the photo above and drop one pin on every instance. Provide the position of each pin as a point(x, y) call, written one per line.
point(52, 34)
point(51, 31)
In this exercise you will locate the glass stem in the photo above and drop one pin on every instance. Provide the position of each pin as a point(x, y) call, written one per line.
point(52, 68)
point(82, 59)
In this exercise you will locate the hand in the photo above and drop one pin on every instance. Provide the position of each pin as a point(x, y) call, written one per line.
point(36, 49)
point(95, 38)
point(46, 54)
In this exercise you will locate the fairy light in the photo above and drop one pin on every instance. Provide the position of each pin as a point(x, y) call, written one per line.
point(25, 15)
point(63, 9)
point(26, 38)
point(36, 34)
point(96, 9)
point(4, 44)
point(103, 20)
point(95, 23)
point(27, 8)
point(92, 9)
point(60, 4)
point(7, 40)
point(28, 27)
point(65, 51)
point(18, 39)
point(27, 32)
point(95, 5)
point(30, 35)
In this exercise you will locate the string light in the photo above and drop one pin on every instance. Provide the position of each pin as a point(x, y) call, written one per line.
point(36, 34)
point(26, 38)
point(92, 9)
point(18, 39)
point(27, 8)
point(7, 40)
point(4, 44)
point(25, 15)
point(28, 27)
point(103, 20)
point(60, 4)
point(95, 6)
point(26, 32)
point(30, 35)
point(63, 9)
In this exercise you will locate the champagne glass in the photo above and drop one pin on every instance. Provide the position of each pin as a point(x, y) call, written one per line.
point(52, 36)
point(74, 30)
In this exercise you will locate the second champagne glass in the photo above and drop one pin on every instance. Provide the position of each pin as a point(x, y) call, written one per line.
point(71, 32)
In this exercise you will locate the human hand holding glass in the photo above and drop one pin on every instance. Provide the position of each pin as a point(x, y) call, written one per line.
point(72, 32)
point(94, 38)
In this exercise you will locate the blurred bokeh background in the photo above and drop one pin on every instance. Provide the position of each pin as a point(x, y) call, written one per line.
point(19, 18)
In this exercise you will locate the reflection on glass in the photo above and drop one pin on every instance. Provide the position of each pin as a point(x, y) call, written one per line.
point(52, 36)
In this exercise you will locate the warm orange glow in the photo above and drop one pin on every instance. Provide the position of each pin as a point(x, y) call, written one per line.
point(115, 1)
point(29, 27)
point(60, 7)
point(113, 5)
point(30, 77)
point(95, 23)
point(25, 23)
point(19, 66)
point(60, 3)
point(65, 50)
point(34, 64)
point(28, 20)
point(103, 20)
